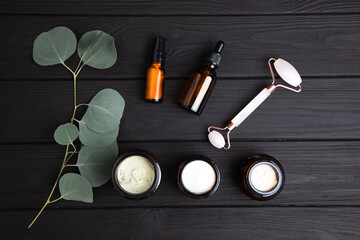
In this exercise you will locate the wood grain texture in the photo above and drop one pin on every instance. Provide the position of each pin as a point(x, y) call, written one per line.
point(178, 7)
point(314, 134)
point(188, 223)
point(317, 173)
point(325, 109)
point(315, 45)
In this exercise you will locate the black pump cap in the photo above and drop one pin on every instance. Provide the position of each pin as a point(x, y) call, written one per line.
point(215, 56)
point(159, 51)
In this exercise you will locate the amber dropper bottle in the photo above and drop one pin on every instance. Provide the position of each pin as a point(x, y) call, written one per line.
point(156, 74)
point(201, 83)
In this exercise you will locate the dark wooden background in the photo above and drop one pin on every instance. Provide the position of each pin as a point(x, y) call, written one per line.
point(314, 134)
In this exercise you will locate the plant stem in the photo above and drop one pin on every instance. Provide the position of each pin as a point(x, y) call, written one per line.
point(48, 201)
point(75, 106)
point(68, 68)
point(78, 65)
point(74, 119)
point(70, 165)
point(77, 73)
point(82, 104)
point(73, 152)
point(55, 200)
point(66, 158)
point(42, 209)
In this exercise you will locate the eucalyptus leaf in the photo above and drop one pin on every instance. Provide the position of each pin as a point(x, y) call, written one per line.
point(65, 134)
point(97, 49)
point(114, 148)
point(96, 164)
point(104, 111)
point(94, 139)
point(75, 187)
point(54, 47)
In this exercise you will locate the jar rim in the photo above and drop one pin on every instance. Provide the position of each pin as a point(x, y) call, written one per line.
point(272, 190)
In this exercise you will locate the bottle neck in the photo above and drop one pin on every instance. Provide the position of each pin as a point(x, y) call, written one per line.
point(158, 63)
point(159, 56)
point(211, 65)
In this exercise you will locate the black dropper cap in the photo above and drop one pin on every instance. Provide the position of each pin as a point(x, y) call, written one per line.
point(215, 56)
point(159, 51)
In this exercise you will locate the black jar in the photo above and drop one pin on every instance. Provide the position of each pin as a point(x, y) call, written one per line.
point(198, 177)
point(262, 177)
point(135, 186)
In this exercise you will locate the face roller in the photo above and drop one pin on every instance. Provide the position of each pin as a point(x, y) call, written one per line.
point(286, 71)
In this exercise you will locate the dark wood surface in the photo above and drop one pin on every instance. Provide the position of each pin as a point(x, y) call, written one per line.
point(311, 114)
point(318, 45)
point(315, 134)
point(178, 7)
point(191, 223)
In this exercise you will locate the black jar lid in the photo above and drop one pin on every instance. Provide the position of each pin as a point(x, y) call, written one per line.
point(252, 163)
point(189, 193)
point(151, 189)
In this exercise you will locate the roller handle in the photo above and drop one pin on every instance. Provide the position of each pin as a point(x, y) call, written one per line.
point(250, 107)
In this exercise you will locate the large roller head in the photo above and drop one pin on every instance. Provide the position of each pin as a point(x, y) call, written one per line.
point(287, 72)
point(216, 139)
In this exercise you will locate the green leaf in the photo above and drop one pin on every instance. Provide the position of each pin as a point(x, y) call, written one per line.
point(104, 111)
point(54, 47)
point(96, 164)
point(97, 49)
point(94, 139)
point(65, 134)
point(75, 187)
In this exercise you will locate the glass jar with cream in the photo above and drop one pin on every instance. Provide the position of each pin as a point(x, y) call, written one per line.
point(136, 175)
point(262, 177)
point(198, 177)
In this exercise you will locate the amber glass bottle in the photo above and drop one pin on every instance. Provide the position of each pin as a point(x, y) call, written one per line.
point(201, 83)
point(156, 74)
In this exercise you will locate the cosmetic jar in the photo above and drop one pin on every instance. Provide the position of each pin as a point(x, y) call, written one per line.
point(198, 177)
point(262, 177)
point(136, 175)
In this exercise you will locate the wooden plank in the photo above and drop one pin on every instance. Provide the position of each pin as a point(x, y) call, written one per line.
point(325, 109)
point(317, 173)
point(187, 223)
point(316, 45)
point(180, 7)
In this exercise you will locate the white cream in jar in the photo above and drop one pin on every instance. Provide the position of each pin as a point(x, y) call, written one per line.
point(198, 177)
point(263, 177)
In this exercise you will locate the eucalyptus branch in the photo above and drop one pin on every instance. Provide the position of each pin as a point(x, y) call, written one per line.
point(99, 132)
point(66, 158)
